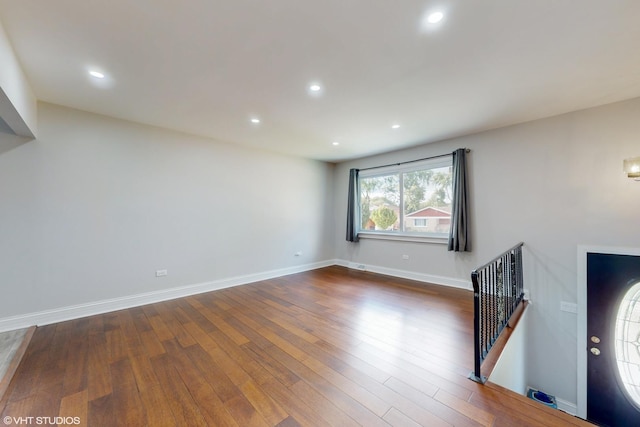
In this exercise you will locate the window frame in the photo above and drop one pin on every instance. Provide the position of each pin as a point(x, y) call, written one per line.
point(400, 169)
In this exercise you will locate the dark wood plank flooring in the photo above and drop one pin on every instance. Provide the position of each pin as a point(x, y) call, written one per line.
point(330, 347)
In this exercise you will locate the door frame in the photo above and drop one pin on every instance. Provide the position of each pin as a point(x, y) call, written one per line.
point(583, 250)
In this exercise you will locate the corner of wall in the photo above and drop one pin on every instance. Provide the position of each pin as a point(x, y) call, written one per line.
point(18, 104)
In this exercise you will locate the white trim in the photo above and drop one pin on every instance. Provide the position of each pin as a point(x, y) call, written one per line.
point(583, 250)
point(412, 275)
point(507, 371)
point(429, 238)
point(61, 314)
point(566, 406)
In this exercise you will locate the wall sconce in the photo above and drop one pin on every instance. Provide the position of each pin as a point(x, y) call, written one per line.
point(632, 168)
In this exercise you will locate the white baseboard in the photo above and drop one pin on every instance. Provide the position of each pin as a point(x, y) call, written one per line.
point(62, 314)
point(412, 275)
point(89, 309)
point(568, 407)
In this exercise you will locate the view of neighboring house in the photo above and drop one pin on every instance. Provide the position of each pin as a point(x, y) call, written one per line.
point(426, 220)
point(415, 200)
point(429, 219)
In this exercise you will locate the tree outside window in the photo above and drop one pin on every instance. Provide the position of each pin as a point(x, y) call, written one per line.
point(403, 200)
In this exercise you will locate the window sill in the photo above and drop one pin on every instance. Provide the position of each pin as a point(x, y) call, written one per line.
point(404, 237)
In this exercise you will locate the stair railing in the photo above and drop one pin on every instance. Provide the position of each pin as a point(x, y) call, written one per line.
point(497, 291)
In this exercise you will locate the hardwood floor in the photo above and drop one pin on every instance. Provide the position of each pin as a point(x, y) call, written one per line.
point(330, 347)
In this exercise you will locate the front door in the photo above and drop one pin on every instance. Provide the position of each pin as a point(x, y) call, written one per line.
point(613, 339)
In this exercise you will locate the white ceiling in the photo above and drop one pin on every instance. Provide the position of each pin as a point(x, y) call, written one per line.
point(206, 66)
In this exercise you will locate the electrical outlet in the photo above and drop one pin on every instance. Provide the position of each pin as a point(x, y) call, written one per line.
point(299, 253)
point(405, 256)
point(160, 273)
point(569, 307)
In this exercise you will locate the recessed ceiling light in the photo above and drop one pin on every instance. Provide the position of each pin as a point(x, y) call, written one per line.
point(396, 126)
point(335, 143)
point(96, 74)
point(435, 17)
point(315, 89)
point(255, 120)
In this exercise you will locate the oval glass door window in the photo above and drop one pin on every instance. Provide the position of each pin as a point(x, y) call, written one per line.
point(627, 334)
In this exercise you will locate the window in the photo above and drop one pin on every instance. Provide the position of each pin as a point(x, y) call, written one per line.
point(412, 199)
point(627, 332)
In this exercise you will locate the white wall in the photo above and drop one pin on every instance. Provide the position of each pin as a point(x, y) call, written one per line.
point(18, 105)
point(94, 206)
point(554, 184)
point(510, 371)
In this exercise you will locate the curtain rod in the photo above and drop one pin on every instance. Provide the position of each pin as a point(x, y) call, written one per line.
point(411, 161)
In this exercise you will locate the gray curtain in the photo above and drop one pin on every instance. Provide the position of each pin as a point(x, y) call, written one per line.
point(352, 207)
point(459, 232)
